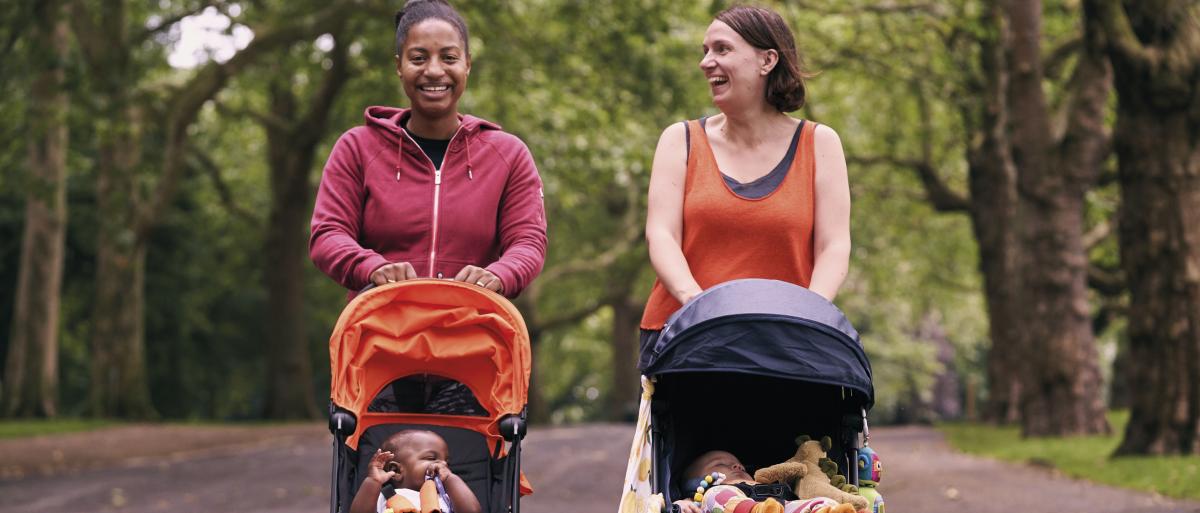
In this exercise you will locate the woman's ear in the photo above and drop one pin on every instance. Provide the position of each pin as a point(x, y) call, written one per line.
point(397, 65)
point(768, 59)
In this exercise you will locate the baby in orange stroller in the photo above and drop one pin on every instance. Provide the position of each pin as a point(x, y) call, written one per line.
point(437, 357)
point(406, 466)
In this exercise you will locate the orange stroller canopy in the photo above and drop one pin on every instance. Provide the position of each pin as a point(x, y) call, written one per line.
point(439, 327)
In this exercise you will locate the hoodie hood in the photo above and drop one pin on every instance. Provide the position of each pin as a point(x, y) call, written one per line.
point(389, 121)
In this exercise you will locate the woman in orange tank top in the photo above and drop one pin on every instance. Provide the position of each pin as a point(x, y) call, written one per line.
point(723, 204)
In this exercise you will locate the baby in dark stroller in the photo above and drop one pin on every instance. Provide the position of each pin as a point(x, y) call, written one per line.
point(407, 462)
point(718, 481)
point(747, 345)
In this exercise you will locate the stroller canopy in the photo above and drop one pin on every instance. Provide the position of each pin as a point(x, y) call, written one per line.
point(430, 327)
point(764, 328)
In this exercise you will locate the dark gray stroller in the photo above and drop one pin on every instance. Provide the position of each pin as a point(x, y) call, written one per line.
point(780, 353)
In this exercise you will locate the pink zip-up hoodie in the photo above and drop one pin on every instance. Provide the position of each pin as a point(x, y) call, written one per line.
point(382, 201)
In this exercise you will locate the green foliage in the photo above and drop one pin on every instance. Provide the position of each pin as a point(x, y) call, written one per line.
point(1083, 457)
point(589, 86)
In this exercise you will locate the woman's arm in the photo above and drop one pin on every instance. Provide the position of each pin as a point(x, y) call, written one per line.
point(832, 224)
point(337, 216)
point(664, 215)
point(522, 228)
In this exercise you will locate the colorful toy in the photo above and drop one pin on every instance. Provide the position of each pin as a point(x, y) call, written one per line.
point(870, 470)
point(702, 484)
point(398, 504)
point(812, 481)
point(429, 501)
point(731, 499)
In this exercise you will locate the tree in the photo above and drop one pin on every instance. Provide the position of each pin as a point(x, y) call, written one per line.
point(31, 368)
point(1027, 175)
point(1154, 49)
point(293, 133)
point(1062, 391)
point(125, 98)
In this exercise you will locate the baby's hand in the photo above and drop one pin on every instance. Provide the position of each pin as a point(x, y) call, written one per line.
point(687, 506)
point(375, 468)
point(439, 469)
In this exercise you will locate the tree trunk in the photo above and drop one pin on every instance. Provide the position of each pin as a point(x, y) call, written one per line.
point(625, 392)
point(119, 386)
point(291, 149)
point(289, 391)
point(31, 369)
point(993, 186)
point(1061, 392)
point(993, 209)
point(1157, 62)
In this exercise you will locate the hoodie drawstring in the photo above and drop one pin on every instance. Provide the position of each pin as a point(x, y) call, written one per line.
point(467, 142)
point(399, 155)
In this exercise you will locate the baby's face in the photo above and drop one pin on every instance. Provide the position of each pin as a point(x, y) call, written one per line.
point(418, 452)
point(725, 463)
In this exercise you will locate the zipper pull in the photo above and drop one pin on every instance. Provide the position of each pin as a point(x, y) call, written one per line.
point(469, 175)
point(397, 175)
point(437, 177)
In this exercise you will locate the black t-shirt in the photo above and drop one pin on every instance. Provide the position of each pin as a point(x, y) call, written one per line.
point(434, 148)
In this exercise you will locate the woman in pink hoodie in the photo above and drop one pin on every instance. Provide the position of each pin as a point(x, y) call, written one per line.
point(427, 191)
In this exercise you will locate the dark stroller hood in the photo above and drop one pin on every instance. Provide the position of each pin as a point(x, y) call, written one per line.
point(764, 328)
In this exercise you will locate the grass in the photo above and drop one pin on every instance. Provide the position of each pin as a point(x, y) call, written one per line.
point(23, 428)
point(1083, 457)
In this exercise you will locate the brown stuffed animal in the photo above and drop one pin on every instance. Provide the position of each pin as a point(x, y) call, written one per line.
point(840, 508)
point(804, 474)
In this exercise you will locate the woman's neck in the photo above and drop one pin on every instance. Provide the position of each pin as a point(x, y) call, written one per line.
point(752, 127)
point(441, 128)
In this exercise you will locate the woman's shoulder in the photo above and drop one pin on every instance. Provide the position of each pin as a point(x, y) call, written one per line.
point(675, 133)
point(359, 135)
point(497, 136)
point(824, 135)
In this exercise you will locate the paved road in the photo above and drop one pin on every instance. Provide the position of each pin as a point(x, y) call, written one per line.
point(575, 469)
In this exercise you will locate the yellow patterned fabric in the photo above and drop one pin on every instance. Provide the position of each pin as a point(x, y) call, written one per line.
point(636, 495)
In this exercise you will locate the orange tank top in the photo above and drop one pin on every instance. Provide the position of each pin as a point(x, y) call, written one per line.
point(728, 237)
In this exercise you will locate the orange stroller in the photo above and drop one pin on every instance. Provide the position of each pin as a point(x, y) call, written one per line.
point(437, 355)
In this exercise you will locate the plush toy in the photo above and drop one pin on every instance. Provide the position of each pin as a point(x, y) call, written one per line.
point(840, 508)
point(429, 501)
point(812, 481)
point(398, 504)
point(830, 468)
point(730, 499)
point(814, 505)
point(870, 471)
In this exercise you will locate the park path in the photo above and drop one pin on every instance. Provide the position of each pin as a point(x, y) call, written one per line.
point(201, 469)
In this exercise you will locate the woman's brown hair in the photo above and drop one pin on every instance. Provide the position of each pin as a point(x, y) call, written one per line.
point(765, 29)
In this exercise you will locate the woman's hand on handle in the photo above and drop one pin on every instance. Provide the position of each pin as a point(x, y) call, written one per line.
point(481, 277)
point(394, 272)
